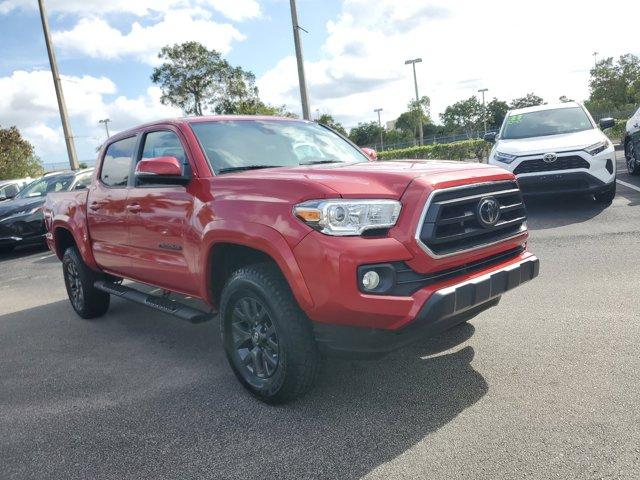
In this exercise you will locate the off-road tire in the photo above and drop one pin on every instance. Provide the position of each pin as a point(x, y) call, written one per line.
point(86, 300)
point(298, 359)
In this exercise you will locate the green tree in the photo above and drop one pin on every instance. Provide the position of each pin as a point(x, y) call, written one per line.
point(199, 80)
point(366, 133)
point(529, 100)
point(17, 159)
point(496, 111)
point(614, 85)
point(464, 116)
point(329, 121)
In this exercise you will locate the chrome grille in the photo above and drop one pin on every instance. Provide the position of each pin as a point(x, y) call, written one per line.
point(450, 225)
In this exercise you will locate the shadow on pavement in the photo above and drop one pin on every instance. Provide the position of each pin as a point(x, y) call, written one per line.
point(560, 210)
point(21, 252)
point(137, 394)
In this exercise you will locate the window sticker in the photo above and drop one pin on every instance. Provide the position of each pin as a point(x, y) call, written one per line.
point(513, 119)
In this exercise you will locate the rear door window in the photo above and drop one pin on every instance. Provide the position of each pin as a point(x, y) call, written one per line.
point(117, 163)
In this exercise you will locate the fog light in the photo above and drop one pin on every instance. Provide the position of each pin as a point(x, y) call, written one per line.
point(370, 280)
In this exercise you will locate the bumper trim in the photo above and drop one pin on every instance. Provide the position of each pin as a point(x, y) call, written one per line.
point(445, 308)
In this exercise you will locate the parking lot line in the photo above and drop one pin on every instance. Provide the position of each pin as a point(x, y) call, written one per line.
point(628, 185)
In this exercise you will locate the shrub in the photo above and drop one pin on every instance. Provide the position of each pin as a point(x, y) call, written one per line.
point(464, 150)
point(616, 132)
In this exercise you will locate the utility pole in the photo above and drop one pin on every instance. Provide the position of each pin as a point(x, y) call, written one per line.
point(304, 97)
point(415, 81)
point(68, 136)
point(484, 109)
point(378, 110)
point(106, 126)
point(595, 59)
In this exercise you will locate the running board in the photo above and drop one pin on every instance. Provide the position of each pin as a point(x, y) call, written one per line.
point(165, 305)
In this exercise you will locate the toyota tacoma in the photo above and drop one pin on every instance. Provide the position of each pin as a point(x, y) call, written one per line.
point(301, 243)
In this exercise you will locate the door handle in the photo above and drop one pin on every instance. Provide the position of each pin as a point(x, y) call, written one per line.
point(134, 208)
point(94, 206)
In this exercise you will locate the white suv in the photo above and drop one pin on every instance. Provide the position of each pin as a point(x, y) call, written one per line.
point(556, 149)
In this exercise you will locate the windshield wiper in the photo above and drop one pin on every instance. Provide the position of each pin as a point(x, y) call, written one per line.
point(318, 162)
point(246, 167)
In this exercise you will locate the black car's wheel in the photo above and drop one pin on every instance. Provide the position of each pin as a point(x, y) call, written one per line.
point(86, 300)
point(632, 155)
point(606, 196)
point(267, 338)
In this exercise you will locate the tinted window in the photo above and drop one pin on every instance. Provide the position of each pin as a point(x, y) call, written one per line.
point(163, 144)
point(117, 162)
point(9, 191)
point(244, 143)
point(546, 122)
point(54, 183)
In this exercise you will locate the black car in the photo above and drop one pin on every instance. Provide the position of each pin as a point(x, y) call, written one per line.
point(631, 142)
point(21, 218)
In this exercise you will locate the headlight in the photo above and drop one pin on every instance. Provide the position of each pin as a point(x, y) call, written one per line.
point(596, 148)
point(504, 157)
point(348, 217)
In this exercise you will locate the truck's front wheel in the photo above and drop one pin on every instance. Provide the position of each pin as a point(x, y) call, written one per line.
point(267, 338)
point(86, 300)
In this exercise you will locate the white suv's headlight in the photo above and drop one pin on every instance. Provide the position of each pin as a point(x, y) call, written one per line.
point(348, 217)
point(504, 157)
point(596, 148)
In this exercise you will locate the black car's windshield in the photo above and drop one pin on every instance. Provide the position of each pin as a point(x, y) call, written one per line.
point(236, 145)
point(39, 188)
point(546, 122)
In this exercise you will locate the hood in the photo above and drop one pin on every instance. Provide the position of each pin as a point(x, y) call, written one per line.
point(16, 205)
point(550, 143)
point(379, 179)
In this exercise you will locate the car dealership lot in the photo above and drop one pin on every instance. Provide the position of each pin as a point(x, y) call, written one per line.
point(544, 385)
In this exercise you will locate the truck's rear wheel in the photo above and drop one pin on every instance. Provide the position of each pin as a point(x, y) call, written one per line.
point(267, 338)
point(633, 158)
point(86, 300)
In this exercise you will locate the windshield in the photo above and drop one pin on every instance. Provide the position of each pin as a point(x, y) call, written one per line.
point(243, 144)
point(46, 185)
point(546, 122)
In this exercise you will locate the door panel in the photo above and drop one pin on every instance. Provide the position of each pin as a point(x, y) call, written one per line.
point(159, 219)
point(106, 208)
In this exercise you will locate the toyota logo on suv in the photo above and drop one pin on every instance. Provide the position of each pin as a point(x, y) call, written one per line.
point(488, 212)
point(550, 157)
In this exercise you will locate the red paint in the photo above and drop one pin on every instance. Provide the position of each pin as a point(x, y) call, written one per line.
point(163, 235)
point(159, 166)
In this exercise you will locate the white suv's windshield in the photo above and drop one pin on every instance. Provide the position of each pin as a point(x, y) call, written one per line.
point(245, 144)
point(546, 122)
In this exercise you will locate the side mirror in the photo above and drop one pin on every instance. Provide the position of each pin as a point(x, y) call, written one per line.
point(490, 137)
point(371, 153)
point(160, 170)
point(607, 123)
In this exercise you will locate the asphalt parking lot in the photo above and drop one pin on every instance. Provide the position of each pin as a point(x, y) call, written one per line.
point(545, 385)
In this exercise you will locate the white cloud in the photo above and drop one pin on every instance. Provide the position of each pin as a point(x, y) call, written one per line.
point(465, 45)
point(237, 10)
point(28, 101)
point(94, 37)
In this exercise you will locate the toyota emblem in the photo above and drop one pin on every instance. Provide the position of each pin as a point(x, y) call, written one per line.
point(488, 212)
point(550, 157)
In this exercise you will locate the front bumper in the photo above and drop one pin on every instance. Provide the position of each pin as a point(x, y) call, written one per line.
point(22, 230)
point(445, 308)
point(572, 182)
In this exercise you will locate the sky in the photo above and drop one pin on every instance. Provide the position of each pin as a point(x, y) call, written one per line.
point(354, 55)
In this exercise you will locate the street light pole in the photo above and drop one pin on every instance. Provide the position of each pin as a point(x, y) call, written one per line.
point(484, 109)
point(378, 110)
point(106, 126)
point(62, 107)
point(595, 59)
point(415, 81)
point(304, 97)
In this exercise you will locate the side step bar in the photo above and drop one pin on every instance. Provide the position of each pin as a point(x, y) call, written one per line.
point(165, 305)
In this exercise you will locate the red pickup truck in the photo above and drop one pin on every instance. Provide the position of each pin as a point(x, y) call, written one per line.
point(300, 241)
